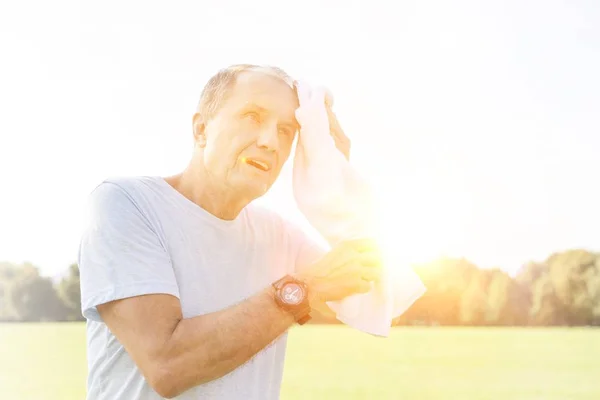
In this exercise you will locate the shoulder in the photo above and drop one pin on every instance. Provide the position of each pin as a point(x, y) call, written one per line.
point(131, 187)
point(120, 195)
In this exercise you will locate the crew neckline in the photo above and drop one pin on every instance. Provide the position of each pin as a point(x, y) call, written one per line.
point(195, 208)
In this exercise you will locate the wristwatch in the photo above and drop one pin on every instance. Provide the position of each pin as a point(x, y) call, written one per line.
point(291, 295)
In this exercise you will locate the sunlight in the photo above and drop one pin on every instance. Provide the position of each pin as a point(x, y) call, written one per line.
point(416, 229)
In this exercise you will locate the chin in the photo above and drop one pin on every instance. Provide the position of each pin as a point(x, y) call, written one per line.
point(262, 189)
point(255, 190)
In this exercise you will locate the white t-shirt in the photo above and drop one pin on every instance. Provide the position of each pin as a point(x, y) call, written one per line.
point(145, 237)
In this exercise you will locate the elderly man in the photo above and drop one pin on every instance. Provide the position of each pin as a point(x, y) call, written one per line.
point(187, 287)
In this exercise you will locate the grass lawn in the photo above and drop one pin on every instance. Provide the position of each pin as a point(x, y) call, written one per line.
point(47, 362)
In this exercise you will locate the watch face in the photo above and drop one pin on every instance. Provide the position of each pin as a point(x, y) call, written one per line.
point(292, 293)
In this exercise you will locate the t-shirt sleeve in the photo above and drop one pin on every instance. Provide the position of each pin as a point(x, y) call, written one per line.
point(120, 253)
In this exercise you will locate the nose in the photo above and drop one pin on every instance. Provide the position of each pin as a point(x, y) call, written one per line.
point(268, 138)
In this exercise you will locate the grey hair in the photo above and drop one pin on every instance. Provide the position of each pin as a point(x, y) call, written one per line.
point(218, 87)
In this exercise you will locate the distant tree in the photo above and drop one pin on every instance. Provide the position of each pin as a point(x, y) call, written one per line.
point(595, 293)
point(8, 270)
point(526, 279)
point(474, 300)
point(546, 307)
point(531, 272)
point(7, 273)
point(446, 280)
point(564, 289)
point(33, 297)
point(573, 275)
point(508, 303)
point(69, 292)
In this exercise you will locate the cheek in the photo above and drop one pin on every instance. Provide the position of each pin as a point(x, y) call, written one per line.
point(224, 147)
point(216, 153)
point(285, 147)
point(237, 135)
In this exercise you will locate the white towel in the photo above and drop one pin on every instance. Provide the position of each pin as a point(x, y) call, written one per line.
point(339, 203)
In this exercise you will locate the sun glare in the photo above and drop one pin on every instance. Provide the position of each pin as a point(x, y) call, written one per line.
point(412, 230)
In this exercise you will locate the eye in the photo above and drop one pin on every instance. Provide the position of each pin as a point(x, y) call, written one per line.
point(286, 130)
point(252, 115)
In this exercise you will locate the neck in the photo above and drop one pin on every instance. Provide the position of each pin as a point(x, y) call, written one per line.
point(219, 200)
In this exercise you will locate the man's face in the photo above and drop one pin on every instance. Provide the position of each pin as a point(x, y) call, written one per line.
point(249, 139)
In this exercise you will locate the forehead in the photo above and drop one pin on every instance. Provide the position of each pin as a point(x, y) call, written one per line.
point(265, 90)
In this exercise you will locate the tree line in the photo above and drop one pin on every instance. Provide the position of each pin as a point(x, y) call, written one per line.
point(27, 296)
point(563, 290)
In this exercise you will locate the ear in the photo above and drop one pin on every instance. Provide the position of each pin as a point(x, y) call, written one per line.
point(199, 130)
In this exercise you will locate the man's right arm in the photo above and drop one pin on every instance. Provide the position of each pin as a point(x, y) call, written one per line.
point(128, 283)
point(176, 354)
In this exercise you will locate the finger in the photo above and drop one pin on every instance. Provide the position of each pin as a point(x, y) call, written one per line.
point(351, 269)
point(346, 257)
point(359, 271)
point(371, 259)
point(359, 245)
point(344, 253)
point(371, 274)
point(367, 266)
point(360, 286)
point(336, 295)
point(363, 287)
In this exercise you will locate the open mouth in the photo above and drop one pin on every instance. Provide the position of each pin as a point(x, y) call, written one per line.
point(263, 166)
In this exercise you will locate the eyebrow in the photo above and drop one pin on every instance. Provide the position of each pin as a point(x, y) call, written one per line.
point(255, 106)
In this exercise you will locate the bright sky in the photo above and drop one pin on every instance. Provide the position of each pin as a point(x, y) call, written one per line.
point(479, 122)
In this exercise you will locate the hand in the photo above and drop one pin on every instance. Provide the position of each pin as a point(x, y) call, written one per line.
point(349, 268)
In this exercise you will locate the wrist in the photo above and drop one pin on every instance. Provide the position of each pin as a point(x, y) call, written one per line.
point(311, 283)
point(271, 293)
point(292, 296)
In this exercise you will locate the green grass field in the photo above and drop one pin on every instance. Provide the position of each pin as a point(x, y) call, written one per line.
point(47, 362)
